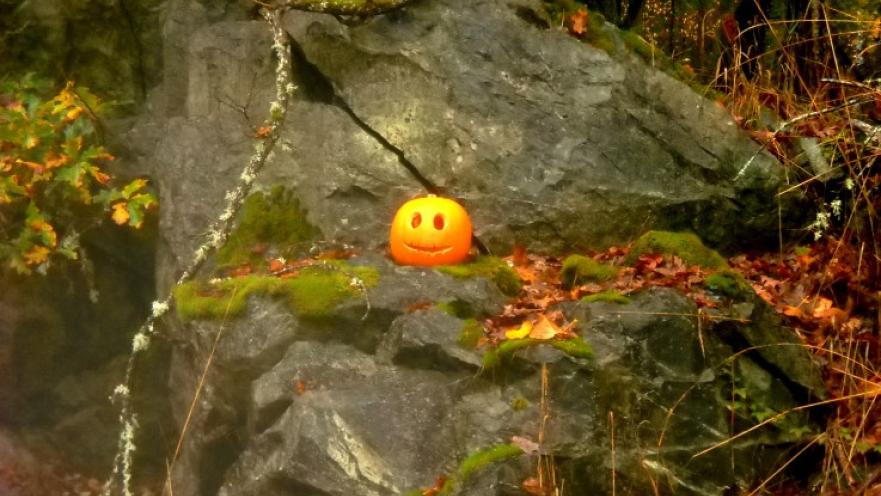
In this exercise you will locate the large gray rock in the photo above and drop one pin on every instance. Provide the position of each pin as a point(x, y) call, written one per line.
point(548, 141)
point(384, 404)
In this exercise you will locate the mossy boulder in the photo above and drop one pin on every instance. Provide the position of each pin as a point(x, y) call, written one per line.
point(492, 268)
point(314, 293)
point(685, 245)
point(269, 223)
point(578, 269)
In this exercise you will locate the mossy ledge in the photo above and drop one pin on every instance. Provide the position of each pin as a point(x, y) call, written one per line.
point(578, 269)
point(314, 293)
point(574, 347)
point(268, 221)
point(608, 296)
point(492, 268)
point(684, 245)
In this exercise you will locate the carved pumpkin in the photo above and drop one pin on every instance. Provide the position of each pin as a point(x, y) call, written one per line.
point(430, 231)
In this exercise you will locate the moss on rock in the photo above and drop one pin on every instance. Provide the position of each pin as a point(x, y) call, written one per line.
point(480, 459)
point(457, 308)
point(314, 293)
point(574, 347)
point(608, 296)
point(684, 245)
point(729, 283)
point(578, 269)
point(470, 334)
point(270, 220)
point(492, 268)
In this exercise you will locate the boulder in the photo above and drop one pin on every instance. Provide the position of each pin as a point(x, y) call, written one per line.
point(383, 404)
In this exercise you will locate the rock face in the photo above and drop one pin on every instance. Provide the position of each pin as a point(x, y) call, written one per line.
point(384, 404)
point(547, 141)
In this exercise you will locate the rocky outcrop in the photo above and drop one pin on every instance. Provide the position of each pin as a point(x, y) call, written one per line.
point(548, 141)
point(382, 405)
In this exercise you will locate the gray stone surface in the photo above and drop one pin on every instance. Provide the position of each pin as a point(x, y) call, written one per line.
point(384, 405)
point(547, 141)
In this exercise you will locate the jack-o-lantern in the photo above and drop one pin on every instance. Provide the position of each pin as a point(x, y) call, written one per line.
point(430, 231)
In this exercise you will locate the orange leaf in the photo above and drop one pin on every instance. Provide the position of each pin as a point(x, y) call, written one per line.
point(300, 387)
point(275, 265)
point(36, 255)
point(262, 132)
point(519, 256)
point(544, 329)
point(241, 270)
point(120, 213)
point(578, 23)
point(533, 486)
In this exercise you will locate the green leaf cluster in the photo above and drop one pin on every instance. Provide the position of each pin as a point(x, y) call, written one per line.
point(53, 185)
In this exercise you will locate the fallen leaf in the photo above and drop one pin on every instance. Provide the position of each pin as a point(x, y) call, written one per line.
point(300, 387)
point(519, 257)
point(519, 332)
point(544, 329)
point(276, 265)
point(437, 488)
point(533, 486)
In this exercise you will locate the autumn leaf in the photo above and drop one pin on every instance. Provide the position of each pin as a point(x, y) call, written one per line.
point(36, 255)
point(300, 387)
point(120, 213)
point(519, 332)
point(533, 486)
point(276, 265)
point(263, 132)
point(578, 23)
point(438, 487)
point(544, 329)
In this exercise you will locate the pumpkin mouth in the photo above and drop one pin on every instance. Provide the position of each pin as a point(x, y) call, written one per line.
point(431, 250)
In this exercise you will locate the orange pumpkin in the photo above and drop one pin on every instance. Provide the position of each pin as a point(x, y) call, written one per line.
point(430, 231)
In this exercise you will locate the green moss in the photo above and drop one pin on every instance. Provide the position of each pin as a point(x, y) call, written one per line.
point(479, 460)
point(457, 308)
point(574, 347)
point(470, 334)
point(578, 269)
point(272, 220)
point(608, 296)
point(684, 245)
point(492, 268)
point(729, 283)
point(519, 404)
point(802, 250)
point(314, 293)
point(493, 357)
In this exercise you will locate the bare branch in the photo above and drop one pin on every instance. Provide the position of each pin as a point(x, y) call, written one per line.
point(343, 7)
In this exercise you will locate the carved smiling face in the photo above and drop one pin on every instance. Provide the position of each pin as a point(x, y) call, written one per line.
point(430, 231)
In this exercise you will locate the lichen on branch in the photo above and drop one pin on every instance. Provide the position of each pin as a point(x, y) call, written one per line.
point(217, 235)
point(343, 7)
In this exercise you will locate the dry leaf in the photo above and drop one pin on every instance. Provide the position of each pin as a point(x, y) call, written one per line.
point(519, 332)
point(544, 329)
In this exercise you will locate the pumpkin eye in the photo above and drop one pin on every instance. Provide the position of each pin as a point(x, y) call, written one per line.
point(438, 222)
point(416, 220)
